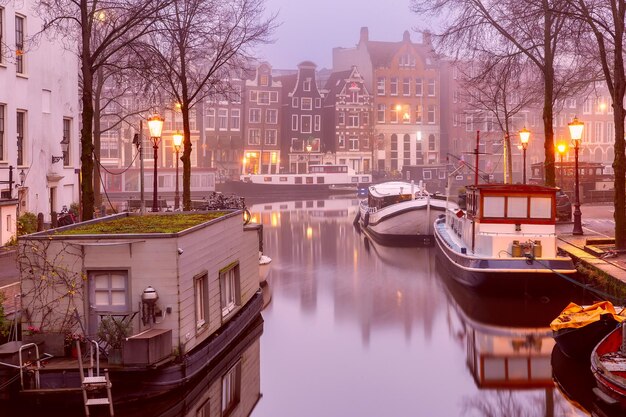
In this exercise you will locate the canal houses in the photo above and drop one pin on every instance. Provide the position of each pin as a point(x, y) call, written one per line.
point(347, 109)
point(175, 289)
point(302, 119)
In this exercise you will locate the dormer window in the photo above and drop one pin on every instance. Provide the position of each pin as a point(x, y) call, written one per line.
point(307, 85)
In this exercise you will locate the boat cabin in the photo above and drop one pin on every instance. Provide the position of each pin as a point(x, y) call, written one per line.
point(386, 194)
point(318, 176)
point(508, 219)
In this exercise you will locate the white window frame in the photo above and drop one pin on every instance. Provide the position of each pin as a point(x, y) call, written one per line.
point(294, 122)
point(231, 389)
point(271, 116)
point(230, 289)
point(419, 87)
point(254, 115)
point(201, 299)
point(306, 103)
point(20, 45)
point(271, 137)
point(306, 85)
point(295, 102)
point(254, 136)
point(22, 136)
point(393, 86)
point(303, 124)
point(2, 131)
point(210, 118)
point(67, 136)
point(235, 119)
point(318, 103)
point(380, 86)
point(432, 87)
point(318, 123)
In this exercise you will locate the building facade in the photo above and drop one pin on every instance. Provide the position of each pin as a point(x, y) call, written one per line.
point(39, 115)
point(348, 120)
point(262, 111)
point(302, 143)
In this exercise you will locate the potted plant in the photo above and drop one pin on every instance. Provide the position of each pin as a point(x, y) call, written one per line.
point(70, 344)
point(111, 335)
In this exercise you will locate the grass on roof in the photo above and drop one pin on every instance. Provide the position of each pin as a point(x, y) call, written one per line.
point(153, 223)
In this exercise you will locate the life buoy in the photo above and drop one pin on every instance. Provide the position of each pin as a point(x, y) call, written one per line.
point(366, 219)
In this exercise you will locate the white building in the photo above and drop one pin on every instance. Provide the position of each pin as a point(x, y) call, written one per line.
point(39, 109)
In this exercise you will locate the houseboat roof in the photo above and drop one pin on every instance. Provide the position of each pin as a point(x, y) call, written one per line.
point(511, 188)
point(134, 225)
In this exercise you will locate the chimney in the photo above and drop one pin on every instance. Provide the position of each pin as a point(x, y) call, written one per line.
point(406, 36)
point(364, 34)
point(427, 38)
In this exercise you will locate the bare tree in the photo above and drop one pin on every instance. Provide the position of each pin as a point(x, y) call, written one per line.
point(537, 29)
point(605, 19)
point(97, 30)
point(501, 87)
point(196, 47)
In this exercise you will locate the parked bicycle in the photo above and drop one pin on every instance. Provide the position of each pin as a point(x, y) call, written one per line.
point(218, 201)
point(66, 217)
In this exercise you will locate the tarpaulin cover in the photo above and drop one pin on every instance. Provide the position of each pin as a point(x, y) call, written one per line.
point(575, 316)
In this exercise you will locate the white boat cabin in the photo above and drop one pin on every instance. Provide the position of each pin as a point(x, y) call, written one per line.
point(389, 193)
point(318, 175)
point(507, 220)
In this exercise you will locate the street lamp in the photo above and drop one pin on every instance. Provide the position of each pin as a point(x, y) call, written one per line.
point(524, 137)
point(576, 132)
point(561, 148)
point(65, 146)
point(177, 138)
point(155, 125)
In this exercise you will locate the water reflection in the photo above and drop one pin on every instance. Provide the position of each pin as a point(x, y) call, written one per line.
point(356, 328)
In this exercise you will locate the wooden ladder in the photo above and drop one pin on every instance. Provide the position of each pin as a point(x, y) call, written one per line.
point(93, 386)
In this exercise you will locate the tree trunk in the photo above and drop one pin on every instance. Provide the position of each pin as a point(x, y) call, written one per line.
point(97, 196)
point(186, 159)
point(548, 115)
point(619, 163)
point(87, 118)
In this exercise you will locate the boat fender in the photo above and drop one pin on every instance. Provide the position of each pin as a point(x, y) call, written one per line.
point(366, 219)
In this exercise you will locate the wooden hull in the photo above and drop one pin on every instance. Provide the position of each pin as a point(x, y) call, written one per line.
point(138, 383)
point(608, 366)
point(507, 273)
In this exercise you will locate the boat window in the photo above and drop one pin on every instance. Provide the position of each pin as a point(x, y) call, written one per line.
point(267, 179)
point(517, 207)
point(540, 207)
point(365, 179)
point(493, 207)
point(354, 179)
point(282, 179)
point(320, 180)
point(297, 180)
point(309, 180)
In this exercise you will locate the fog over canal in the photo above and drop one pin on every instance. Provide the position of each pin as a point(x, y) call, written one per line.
point(358, 329)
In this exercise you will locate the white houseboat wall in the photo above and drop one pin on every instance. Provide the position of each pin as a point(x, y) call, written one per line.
point(206, 279)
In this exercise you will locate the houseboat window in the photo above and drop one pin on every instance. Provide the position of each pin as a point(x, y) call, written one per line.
point(540, 207)
point(231, 389)
point(354, 179)
point(365, 179)
point(493, 207)
point(109, 290)
point(267, 179)
point(297, 180)
point(309, 180)
point(320, 180)
point(201, 294)
point(282, 179)
point(517, 207)
point(230, 289)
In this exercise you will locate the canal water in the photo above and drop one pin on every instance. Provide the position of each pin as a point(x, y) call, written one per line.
point(352, 328)
point(358, 329)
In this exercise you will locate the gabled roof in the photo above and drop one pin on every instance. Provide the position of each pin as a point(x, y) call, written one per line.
point(335, 83)
point(381, 52)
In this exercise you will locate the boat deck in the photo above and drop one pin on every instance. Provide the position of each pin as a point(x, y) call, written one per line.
point(614, 362)
point(440, 226)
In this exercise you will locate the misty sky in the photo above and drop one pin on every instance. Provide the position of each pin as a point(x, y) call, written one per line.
point(311, 28)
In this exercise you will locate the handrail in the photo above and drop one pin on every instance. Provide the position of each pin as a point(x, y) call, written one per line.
point(28, 345)
point(94, 342)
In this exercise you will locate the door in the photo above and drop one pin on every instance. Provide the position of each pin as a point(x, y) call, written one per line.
point(108, 294)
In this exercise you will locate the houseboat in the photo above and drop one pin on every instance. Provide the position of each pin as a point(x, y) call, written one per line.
point(506, 236)
point(321, 179)
point(154, 299)
point(400, 213)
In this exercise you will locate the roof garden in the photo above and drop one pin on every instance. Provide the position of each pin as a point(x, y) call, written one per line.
point(137, 224)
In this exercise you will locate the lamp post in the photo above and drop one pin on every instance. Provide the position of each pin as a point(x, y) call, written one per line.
point(308, 148)
point(524, 137)
point(155, 125)
point(576, 132)
point(561, 148)
point(177, 138)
